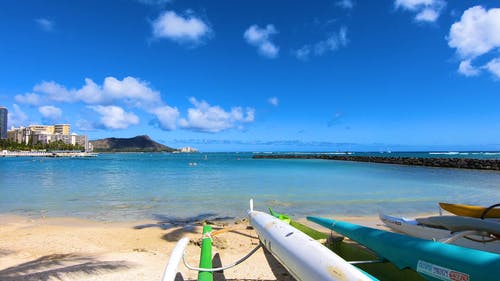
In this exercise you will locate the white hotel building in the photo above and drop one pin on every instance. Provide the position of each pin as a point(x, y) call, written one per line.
point(48, 133)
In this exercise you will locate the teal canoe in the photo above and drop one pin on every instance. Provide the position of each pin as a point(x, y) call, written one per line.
point(432, 260)
point(351, 251)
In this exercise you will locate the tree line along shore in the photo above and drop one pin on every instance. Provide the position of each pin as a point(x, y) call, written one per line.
point(460, 163)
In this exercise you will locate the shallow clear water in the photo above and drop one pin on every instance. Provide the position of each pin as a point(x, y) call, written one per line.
point(145, 186)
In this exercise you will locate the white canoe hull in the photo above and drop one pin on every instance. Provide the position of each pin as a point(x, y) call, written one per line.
point(302, 256)
point(412, 228)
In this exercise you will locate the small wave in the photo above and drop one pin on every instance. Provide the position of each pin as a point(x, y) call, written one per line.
point(449, 153)
point(334, 153)
point(318, 153)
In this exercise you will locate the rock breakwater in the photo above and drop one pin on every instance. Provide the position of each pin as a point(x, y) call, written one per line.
point(461, 163)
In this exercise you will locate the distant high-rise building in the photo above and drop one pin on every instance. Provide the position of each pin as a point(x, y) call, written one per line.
point(3, 122)
point(62, 129)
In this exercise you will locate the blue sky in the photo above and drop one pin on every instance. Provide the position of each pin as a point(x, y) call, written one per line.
point(258, 75)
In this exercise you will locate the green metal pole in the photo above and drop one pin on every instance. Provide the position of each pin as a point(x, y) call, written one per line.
point(206, 256)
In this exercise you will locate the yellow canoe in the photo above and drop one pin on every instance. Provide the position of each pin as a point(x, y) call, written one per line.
point(469, 210)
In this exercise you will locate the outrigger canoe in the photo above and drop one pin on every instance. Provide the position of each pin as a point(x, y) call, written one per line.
point(303, 257)
point(354, 253)
point(459, 223)
point(470, 210)
point(432, 260)
point(414, 227)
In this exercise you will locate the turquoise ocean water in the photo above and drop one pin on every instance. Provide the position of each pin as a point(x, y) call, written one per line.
point(149, 185)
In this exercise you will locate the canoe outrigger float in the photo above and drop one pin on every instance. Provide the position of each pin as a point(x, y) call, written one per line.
point(205, 271)
point(432, 260)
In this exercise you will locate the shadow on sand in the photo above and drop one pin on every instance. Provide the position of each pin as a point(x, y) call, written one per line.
point(167, 222)
point(58, 266)
point(219, 276)
point(244, 234)
point(278, 270)
point(5, 252)
point(184, 224)
point(188, 224)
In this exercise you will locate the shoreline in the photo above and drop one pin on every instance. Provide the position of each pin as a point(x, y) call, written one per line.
point(200, 218)
point(7, 153)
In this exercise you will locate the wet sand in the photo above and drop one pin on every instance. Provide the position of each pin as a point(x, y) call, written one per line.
point(78, 249)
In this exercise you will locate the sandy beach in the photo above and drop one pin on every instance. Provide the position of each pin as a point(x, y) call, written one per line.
point(78, 249)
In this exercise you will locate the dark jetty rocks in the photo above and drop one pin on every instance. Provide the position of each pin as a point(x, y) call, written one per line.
point(461, 163)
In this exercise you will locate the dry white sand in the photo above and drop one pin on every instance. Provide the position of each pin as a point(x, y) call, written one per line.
point(77, 249)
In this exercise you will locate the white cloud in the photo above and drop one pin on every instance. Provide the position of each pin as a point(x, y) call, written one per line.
point(54, 91)
point(133, 91)
point(346, 4)
point(114, 98)
point(167, 117)
point(427, 14)
point(330, 44)
point(426, 10)
point(303, 53)
point(130, 90)
point(45, 24)
point(467, 69)
point(16, 117)
point(92, 93)
point(477, 32)
point(273, 101)
point(206, 118)
point(181, 29)
point(50, 112)
point(28, 98)
point(494, 67)
point(115, 117)
point(413, 5)
point(261, 38)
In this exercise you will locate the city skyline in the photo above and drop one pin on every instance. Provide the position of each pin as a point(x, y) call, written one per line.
point(258, 76)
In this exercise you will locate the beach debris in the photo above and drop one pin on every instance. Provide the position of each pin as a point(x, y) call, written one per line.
point(216, 242)
point(142, 250)
point(219, 243)
point(240, 220)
